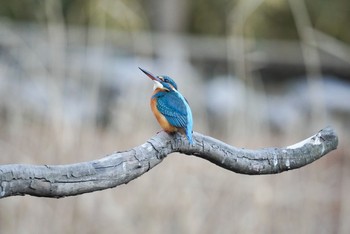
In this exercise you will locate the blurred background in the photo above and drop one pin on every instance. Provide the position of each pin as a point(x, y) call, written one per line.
point(256, 73)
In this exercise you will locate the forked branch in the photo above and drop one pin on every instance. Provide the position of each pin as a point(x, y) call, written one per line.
point(122, 167)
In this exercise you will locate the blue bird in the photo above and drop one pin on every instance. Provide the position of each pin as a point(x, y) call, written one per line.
point(170, 108)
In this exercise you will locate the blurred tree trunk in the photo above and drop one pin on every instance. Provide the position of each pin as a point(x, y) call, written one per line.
point(168, 16)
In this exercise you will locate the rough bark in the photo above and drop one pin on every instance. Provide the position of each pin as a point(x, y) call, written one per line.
point(121, 167)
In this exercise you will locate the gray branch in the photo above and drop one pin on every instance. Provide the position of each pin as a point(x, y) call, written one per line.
point(122, 167)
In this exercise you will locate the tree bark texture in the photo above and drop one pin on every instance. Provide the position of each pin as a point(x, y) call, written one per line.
point(118, 168)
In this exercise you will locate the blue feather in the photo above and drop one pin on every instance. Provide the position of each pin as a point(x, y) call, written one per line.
point(176, 110)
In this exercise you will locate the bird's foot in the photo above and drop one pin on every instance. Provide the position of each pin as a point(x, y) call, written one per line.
point(177, 136)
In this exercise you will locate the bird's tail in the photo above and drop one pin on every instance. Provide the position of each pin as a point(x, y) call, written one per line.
point(189, 137)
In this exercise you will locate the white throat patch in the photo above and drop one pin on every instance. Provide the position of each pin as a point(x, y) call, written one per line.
point(157, 84)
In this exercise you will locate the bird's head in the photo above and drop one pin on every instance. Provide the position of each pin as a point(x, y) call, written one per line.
point(161, 82)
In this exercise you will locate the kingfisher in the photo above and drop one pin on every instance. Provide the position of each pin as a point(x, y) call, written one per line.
point(169, 107)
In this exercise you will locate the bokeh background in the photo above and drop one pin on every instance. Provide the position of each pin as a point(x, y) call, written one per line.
point(257, 73)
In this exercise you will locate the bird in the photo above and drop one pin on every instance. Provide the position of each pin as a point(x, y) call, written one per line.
point(170, 107)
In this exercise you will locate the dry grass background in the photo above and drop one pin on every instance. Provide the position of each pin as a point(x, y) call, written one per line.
point(183, 194)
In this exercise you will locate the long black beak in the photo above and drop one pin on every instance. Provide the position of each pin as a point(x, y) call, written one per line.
point(150, 75)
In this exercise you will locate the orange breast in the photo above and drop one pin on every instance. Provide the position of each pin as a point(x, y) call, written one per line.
point(161, 118)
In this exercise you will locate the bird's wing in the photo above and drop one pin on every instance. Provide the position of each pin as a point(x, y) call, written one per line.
point(174, 109)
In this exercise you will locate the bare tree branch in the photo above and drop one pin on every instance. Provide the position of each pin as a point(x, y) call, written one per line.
point(121, 167)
